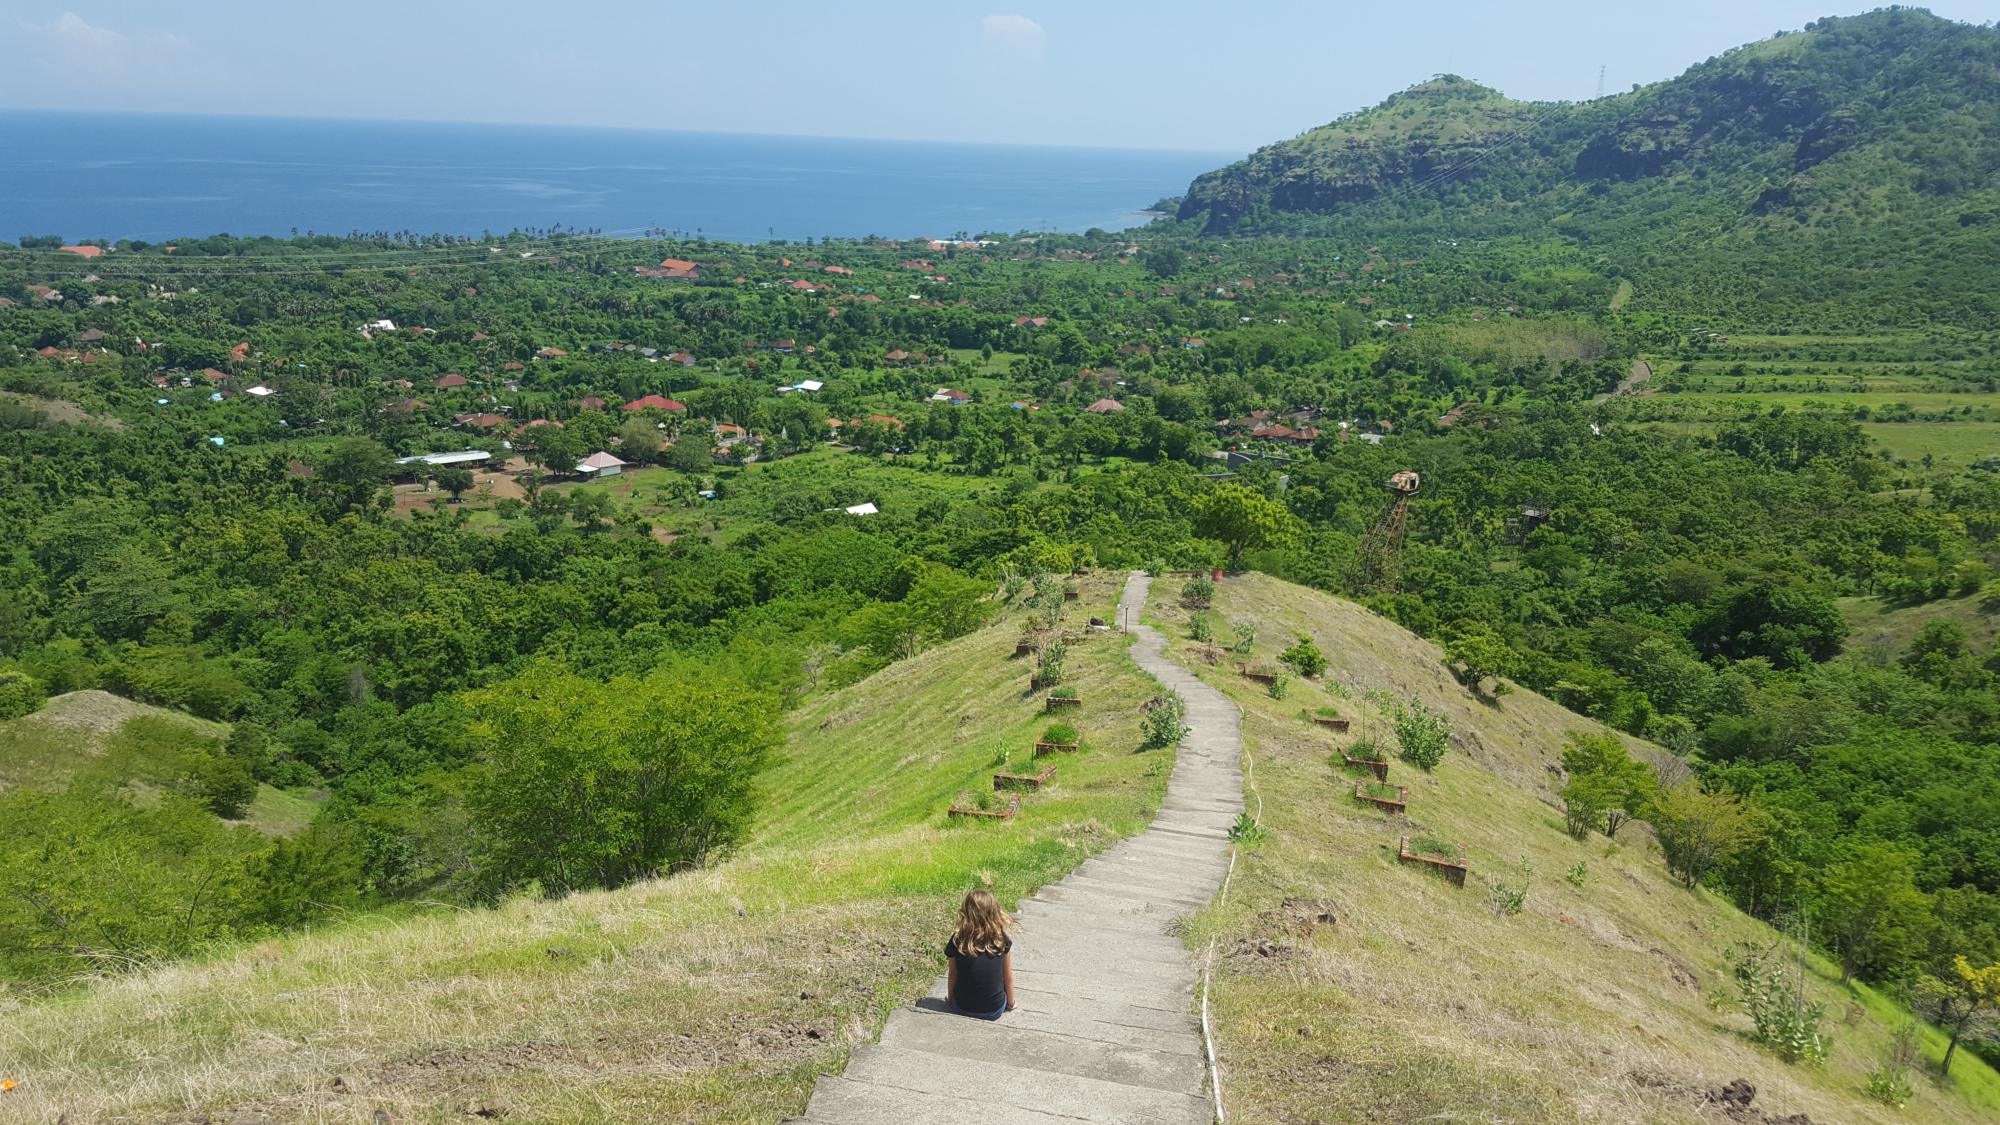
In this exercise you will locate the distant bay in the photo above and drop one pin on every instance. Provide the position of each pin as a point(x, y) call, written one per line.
point(92, 175)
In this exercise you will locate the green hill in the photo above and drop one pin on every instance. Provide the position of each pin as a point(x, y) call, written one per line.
point(715, 995)
point(1415, 1000)
point(99, 738)
point(1852, 165)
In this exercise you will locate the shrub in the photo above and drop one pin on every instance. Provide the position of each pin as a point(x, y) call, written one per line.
point(1064, 693)
point(1890, 1083)
point(1366, 750)
point(1509, 900)
point(1049, 663)
point(1198, 592)
point(1060, 733)
point(1280, 685)
point(1327, 712)
point(1247, 831)
point(225, 785)
point(1163, 723)
point(1305, 658)
point(1383, 790)
point(20, 694)
point(1775, 997)
point(1578, 875)
point(1201, 627)
point(1423, 734)
point(1246, 637)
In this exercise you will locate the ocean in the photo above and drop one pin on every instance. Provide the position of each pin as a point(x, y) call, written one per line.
point(91, 175)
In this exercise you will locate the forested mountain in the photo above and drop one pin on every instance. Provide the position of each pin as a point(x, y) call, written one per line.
point(1855, 160)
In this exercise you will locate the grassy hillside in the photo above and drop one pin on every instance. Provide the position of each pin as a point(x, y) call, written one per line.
point(1421, 1001)
point(97, 737)
point(716, 995)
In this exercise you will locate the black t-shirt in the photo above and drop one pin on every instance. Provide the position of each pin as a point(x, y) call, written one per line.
point(982, 987)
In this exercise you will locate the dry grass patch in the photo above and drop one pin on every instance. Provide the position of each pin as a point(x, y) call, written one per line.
point(1425, 1002)
point(714, 996)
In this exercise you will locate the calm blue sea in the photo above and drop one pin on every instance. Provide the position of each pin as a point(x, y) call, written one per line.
point(87, 175)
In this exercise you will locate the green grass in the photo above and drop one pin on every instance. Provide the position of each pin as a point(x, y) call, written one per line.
point(1422, 1002)
point(1879, 630)
point(715, 995)
point(1957, 443)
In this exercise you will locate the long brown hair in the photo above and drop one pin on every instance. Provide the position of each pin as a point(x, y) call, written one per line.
point(982, 925)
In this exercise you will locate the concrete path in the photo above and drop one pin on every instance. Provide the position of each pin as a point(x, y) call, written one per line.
point(1106, 1029)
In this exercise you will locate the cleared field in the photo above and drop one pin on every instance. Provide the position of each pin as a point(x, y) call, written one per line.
point(1956, 443)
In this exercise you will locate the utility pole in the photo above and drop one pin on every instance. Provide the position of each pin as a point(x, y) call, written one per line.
point(1600, 80)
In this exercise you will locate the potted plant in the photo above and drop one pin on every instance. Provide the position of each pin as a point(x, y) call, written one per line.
point(1329, 718)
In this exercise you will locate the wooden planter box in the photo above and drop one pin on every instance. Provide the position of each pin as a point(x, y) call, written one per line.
point(1072, 595)
point(1454, 870)
point(1379, 769)
point(1056, 703)
point(1027, 648)
point(1042, 748)
point(1338, 726)
point(1024, 780)
point(1261, 677)
point(1399, 803)
point(1004, 813)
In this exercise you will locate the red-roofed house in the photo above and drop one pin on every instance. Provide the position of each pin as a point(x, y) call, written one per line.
point(590, 402)
point(239, 353)
point(481, 421)
point(1031, 322)
point(679, 264)
point(656, 402)
point(1104, 406)
point(449, 382)
point(550, 353)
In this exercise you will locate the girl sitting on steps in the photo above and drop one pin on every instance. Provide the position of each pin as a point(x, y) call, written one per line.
point(980, 981)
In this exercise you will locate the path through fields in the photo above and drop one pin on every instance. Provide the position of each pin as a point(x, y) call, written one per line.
point(1106, 1029)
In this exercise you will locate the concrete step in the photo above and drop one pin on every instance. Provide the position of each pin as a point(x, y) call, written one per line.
point(1185, 900)
point(1174, 996)
point(1172, 1023)
point(1070, 893)
point(1011, 1041)
point(843, 1101)
point(997, 1083)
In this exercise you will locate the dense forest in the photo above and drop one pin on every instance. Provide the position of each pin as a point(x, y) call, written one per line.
point(704, 481)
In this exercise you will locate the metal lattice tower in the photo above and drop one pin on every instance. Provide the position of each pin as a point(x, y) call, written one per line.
point(1378, 561)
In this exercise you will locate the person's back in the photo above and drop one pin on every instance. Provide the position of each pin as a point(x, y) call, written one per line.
point(980, 979)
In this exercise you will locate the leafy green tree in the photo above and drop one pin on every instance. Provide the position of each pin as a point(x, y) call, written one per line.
point(1243, 520)
point(1698, 830)
point(1474, 652)
point(595, 784)
point(691, 454)
point(1606, 785)
point(455, 480)
point(1870, 909)
point(1964, 1001)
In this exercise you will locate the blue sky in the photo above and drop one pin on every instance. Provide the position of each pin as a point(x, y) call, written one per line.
point(1184, 74)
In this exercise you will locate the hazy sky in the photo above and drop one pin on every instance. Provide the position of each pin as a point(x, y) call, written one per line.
point(1191, 74)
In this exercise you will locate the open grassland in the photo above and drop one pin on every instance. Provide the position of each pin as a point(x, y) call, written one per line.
point(96, 738)
point(1882, 631)
point(1421, 1001)
point(1954, 443)
point(716, 995)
